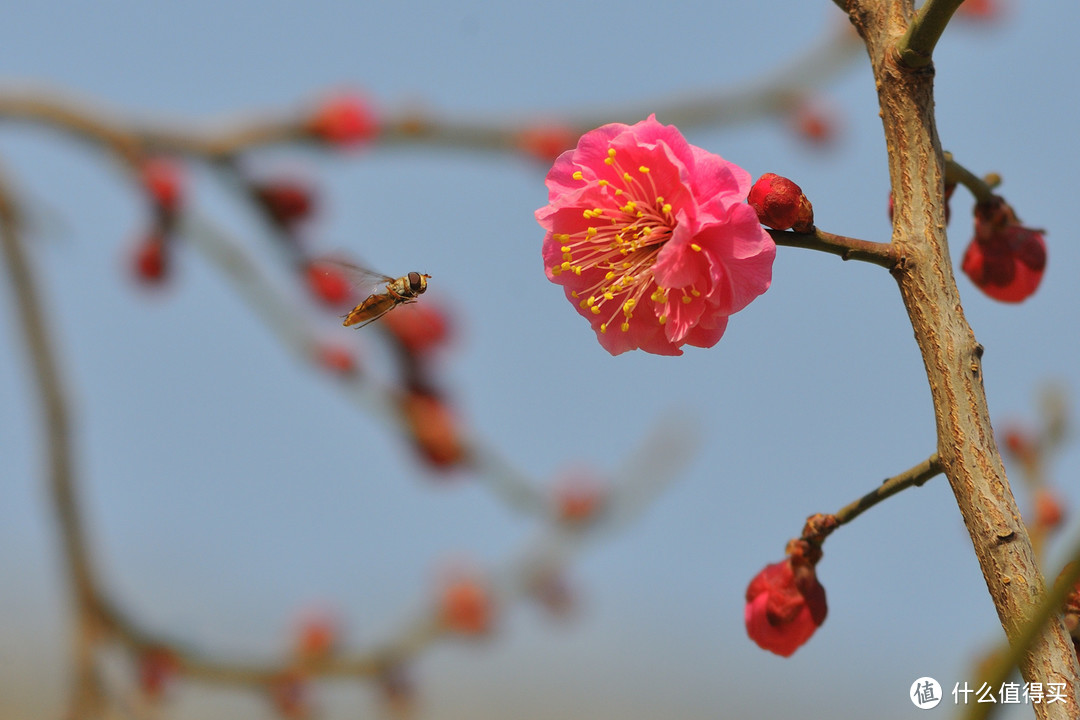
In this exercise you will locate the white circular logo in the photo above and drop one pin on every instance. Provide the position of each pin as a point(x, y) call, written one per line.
point(925, 693)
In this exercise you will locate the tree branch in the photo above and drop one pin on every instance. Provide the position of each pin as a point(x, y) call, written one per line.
point(966, 445)
point(916, 47)
point(86, 691)
point(847, 248)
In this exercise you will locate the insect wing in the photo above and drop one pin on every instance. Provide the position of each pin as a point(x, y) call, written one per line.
point(367, 282)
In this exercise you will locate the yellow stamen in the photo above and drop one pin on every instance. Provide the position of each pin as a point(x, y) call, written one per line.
point(595, 311)
point(578, 175)
point(603, 327)
point(663, 319)
point(695, 247)
point(565, 248)
point(666, 208)
point(625, 326)
point(643, 169)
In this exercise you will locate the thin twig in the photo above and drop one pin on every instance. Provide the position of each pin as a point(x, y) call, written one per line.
point(912, 477)
point(847, 248)
point(916, 47)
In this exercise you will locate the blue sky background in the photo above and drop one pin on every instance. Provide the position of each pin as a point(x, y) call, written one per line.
point(226, 485)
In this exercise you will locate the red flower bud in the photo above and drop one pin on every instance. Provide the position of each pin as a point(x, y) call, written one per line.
point(1005, 260)
point(981, 10)
point(328, 283)
point(466, 606)
point(1049, 512)
point(150, 260)
point(548, 142)
point(343, 120)
point(419, 328)
point(785, 604)
point(578, 498)
point(336, 359)
point(781, 204)
point(286, 201)
point(1021, 445)
point(815, 122)
point(162, 182)
point(434, 429)
point(317, 636)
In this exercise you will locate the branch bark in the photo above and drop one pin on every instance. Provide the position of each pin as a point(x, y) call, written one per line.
point(966, 447)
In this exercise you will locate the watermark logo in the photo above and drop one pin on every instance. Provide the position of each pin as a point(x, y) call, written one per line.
point(925, 693)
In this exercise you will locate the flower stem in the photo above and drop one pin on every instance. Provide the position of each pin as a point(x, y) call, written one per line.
point(847, 248)
point(912, 477)
point(916, 47)
point(957, 173)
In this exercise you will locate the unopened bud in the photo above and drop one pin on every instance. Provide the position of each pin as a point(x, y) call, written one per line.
point(781, 204)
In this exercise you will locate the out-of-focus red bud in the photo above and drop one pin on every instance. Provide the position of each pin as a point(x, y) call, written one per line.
point(157, 666)
point(343, 120)
point(466, 606)
point(317, 637)
point(150, 259)
point(287, 201)
point(979, 10)
point(781, 204)
point(328, 283)
point(545, 143)
point(578, 498)
point(434, 429)
point(815, 123)
point(337, 359)
point(1020, 444)
point(1049, 512)
point(162, 181)
point(419, 328)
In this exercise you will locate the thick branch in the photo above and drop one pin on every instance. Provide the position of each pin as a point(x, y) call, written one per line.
point(966, 445)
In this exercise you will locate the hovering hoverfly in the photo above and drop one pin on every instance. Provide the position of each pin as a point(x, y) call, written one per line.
point(397, 291)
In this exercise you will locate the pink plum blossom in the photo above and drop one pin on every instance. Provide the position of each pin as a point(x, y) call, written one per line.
point(652, 239)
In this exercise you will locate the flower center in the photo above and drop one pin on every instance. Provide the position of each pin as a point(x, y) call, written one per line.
point(622, 243)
